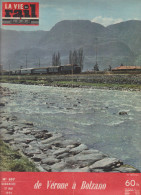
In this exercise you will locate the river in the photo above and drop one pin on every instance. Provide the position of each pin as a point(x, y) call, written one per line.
point(88, 115)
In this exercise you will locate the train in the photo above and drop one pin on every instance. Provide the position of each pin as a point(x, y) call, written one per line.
point(63, 69)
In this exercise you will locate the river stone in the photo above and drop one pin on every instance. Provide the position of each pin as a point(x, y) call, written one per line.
point(69, 108)
point(91, 151)
point(44, 131)
point(3, 131)
point(46, 167)
point(40, 168)
point(5, 124)
point(58, 144)
point(49, 160)
point(123, 169)
point(16, 128)
point(123, 113)
point(58, 167)
point(50, 152)
point(35, 144)
point(39, 157)
point(13, 118)
point(22, 145)
point(45, 147)
point(2, 104)
point(106, 163)
point(52, 139)
point(84, 160)
point(62, 155)
point(24, 139)
point(42, 135)
point(66, 143)
point(55, 143)
point(78, 149)
point(19, 135)
point(28, 123)
point(31, 151)
point(34, 131)
point(10, 126)
point(35, 159)
point(61, 151)
point(71, 146)
point(10, 131)
point(26, 131)
point(8, 138)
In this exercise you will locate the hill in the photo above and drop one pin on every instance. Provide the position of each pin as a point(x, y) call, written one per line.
point(116, 44)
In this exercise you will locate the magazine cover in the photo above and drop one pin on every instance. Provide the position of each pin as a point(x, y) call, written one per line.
point(70, 97)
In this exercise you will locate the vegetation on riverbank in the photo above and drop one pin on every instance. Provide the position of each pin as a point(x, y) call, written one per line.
point(97, 85)
point(41, 80)
point(14, 161)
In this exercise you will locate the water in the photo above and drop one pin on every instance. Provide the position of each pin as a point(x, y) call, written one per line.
point(88, 115)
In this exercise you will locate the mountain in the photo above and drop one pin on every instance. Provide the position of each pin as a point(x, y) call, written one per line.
point(129, 33)
point(73, 34)
point(116, 44)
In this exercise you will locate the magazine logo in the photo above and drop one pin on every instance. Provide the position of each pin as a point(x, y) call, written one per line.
point(20, 13)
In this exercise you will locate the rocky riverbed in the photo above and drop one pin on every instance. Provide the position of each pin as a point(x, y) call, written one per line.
point(51, 151)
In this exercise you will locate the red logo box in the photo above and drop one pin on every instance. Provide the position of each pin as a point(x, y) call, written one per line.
point(20, 13)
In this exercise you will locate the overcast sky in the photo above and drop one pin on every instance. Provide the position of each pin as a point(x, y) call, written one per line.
point(105, 12)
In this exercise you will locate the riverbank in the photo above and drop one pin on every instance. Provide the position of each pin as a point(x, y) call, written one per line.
point(110, 82)
point(11, 159)
point(52, 152)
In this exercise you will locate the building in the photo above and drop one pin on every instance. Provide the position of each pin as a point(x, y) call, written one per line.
point(127, 69)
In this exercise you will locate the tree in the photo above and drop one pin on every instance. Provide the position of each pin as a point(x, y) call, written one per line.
point(56, 61)
point(110, 68)
point(76, 57)
point(96, 68)
point(70, 58)
point(80, 58)
point(53, 60)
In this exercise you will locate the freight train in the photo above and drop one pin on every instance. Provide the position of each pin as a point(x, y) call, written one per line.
point(66, 69)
